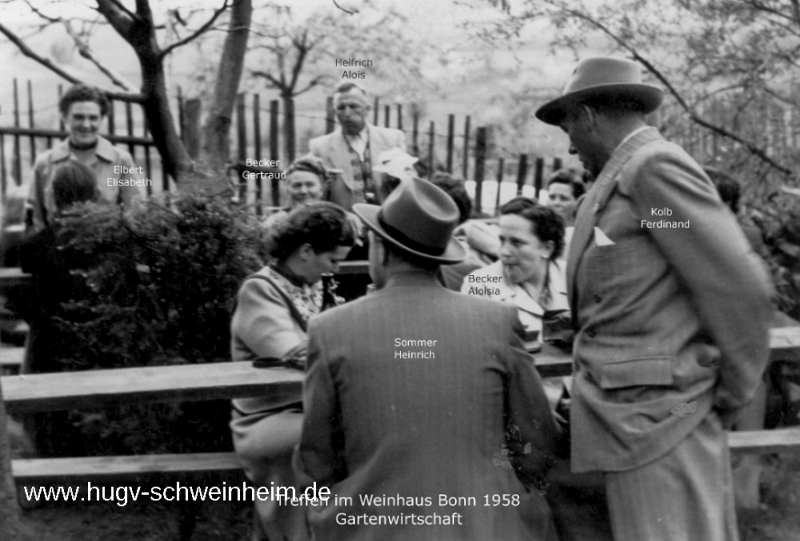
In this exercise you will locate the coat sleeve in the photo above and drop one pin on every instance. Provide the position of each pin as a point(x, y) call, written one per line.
point(531, 432)
point(727, 284)
point(262, 321)
point(36, 200)
point(321, 446)
point(127, 194)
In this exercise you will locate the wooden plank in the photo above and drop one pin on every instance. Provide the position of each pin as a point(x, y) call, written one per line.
point(67, 390)
point(765, 441)
point(13, 276)
point(784, 338)
point(353, 267)
point(553, 365)
point(40, 471)
point(11, 358)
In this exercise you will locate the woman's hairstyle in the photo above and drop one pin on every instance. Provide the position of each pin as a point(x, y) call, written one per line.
point(83, 93)
point(309, 163)
point(546, 224)
point(73, 182)
point(456, 190)
point(570, 178)
point(323, 225)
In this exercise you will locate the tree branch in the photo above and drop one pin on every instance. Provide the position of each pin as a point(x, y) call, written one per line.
point(758, 6)
point(197, 33)
point(346, 11)
point(118, 17)
point(303, 47)
point(272, 81)
point(314, 82)
point(27, 51)
point(693, 115)
point(85, 52)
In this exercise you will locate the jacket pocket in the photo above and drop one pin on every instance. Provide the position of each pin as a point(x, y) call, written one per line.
point(636, 372)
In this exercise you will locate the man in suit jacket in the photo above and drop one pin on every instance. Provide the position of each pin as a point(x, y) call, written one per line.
point(353, 148)
point(416, 393)
point(671, 309)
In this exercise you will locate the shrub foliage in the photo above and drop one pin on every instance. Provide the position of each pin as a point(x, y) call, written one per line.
point(162, 286)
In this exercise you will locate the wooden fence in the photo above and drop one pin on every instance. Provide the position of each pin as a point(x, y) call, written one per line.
point(464, 152)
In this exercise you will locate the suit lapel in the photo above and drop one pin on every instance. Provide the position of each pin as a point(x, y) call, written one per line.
point(594, 203)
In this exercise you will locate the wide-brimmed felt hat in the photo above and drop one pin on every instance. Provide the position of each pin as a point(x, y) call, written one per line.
point(602, 77)
point(418, 218)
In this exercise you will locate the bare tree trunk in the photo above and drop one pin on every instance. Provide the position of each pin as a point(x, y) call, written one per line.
point(9, 510)
point(176, 159)
point(216, 140)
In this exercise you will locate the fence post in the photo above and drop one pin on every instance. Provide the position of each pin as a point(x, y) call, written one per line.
point(375, 110)
point(431, 135)
point(538, 177)
point(129, 126)
point(181, 113)
point(274, 149)
point(17, 149)
point(30, 122)
point(387, 112)
point(241, 142)
point(522, 172)
point(60, 117)
point(191, 127)
point(148, 165)
point(399, 117)
point(3, 177)
point(501, 165)
point(466, 148)
point(415, 133)
point(290, 136)
point(451, 128)
point(330, 116)
point(257, 147)
point(112, 117)
point(480, 166)
point(557, 164)
point(257, 126)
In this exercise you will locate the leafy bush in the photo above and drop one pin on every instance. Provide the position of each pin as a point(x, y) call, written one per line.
point(162, 286)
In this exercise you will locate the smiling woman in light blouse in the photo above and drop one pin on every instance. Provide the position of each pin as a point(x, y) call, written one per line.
point(528, 273)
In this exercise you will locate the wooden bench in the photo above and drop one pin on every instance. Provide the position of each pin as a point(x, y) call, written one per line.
point(48, 392)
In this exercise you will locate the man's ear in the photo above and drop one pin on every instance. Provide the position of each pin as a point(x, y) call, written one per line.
point(590, 116)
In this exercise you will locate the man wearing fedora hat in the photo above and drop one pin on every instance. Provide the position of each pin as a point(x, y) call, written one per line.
point(671, 310)
point(423, 412)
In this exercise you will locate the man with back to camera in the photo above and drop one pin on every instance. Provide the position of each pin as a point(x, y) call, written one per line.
point(83, 109)
point(416, 391)
point(354, 148)
point(671, 310)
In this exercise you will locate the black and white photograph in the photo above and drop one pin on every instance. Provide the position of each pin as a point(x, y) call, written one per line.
point(412, 270)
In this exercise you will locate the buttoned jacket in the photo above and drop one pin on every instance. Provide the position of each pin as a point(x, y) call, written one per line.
point(670, 321)
point(334, 151)
point(105, 158)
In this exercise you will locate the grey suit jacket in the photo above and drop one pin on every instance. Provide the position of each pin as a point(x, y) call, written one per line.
point(671, 322)
point(333, 150)
point(377, 424)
